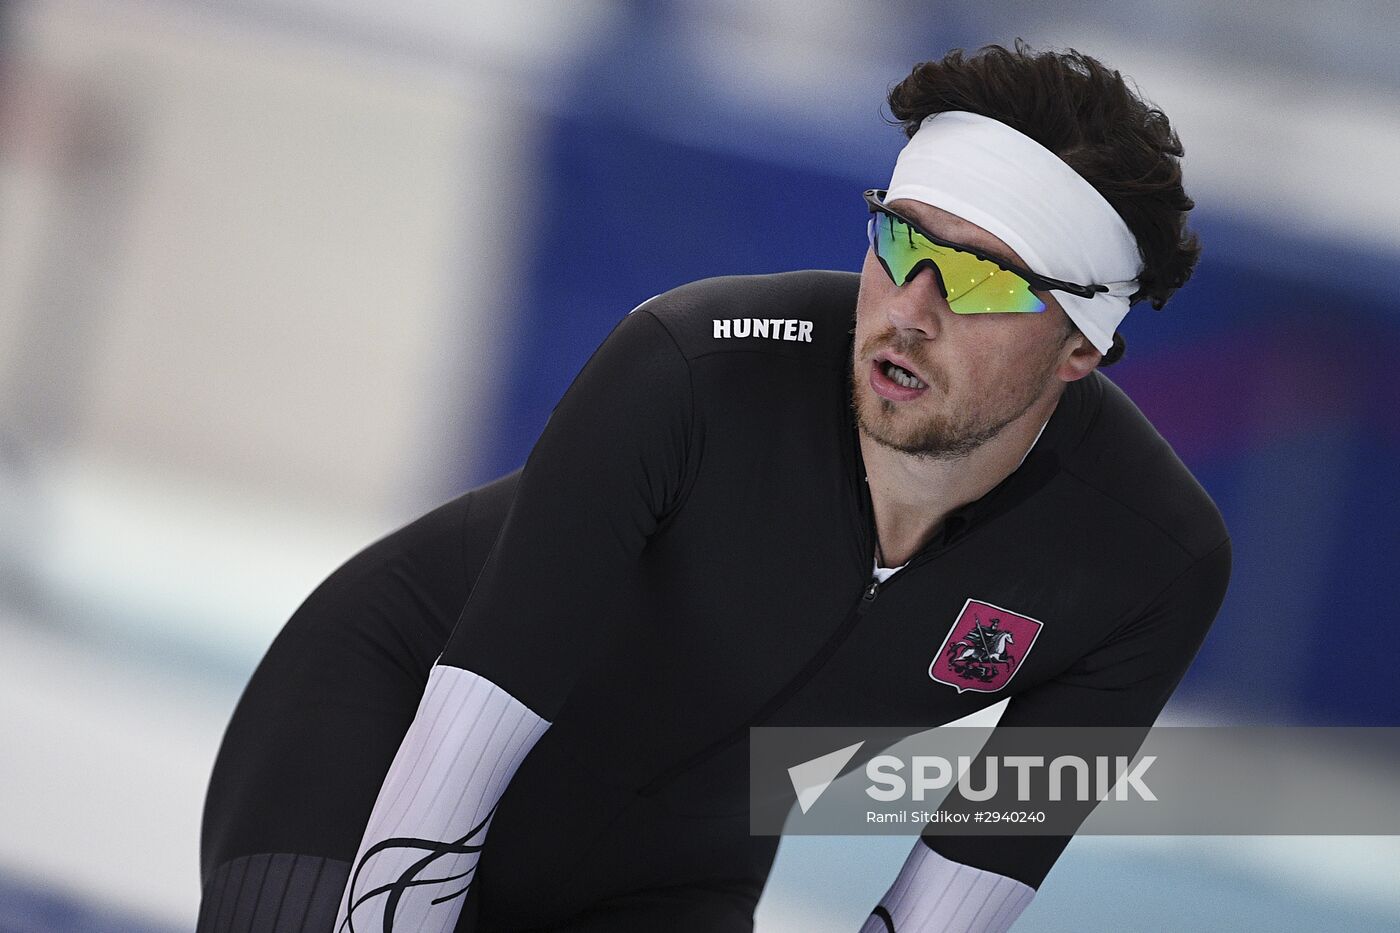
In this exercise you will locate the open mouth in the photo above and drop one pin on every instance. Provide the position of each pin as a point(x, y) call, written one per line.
point(901, 376)
point(894, 381)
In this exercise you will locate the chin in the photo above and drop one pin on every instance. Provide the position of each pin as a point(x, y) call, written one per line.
point(901, 430)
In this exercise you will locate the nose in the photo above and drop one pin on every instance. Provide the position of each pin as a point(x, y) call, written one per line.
point(919, 304)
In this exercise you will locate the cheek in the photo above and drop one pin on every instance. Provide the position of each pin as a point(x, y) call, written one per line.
point(987, 367)
point(874, 285)
point(1006, 343)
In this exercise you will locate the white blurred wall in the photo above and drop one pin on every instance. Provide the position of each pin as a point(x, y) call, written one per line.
point(250, 271)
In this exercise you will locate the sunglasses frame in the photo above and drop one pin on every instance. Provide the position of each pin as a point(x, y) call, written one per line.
point(874, 198)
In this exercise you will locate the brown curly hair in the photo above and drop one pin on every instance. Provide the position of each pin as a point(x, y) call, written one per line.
point(1086, 114)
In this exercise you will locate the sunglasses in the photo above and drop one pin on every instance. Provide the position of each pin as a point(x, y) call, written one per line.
point(972, 281)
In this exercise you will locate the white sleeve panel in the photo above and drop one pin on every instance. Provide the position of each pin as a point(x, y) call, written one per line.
point(424, 835)
point(936, 895)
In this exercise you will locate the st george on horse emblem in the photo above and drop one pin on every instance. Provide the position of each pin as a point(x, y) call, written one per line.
point(984, 648)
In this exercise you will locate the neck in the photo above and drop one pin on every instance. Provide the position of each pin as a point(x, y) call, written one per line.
point(912, 496)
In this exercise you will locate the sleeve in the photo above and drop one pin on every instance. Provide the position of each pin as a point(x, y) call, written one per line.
point(606, 471)
point(980, 884)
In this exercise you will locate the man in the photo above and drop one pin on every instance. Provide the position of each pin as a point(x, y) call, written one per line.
point(746, 512)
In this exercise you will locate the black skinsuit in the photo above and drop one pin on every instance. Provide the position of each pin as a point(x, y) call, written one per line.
point(688, 553)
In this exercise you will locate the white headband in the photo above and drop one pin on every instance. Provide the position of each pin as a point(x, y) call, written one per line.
point(1022, 193)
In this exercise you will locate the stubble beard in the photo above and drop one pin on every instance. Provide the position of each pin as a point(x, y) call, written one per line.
point(946, 435)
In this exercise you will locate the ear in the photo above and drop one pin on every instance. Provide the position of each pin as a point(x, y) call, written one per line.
point(1078, 358)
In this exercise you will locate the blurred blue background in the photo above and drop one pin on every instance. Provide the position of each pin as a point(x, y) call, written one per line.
point(281, 275)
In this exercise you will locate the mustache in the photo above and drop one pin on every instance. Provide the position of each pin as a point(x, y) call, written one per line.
point(909, 346)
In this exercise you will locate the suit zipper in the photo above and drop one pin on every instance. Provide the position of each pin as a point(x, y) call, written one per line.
point(868, 595)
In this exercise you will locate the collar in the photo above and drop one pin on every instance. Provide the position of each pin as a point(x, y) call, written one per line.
point(1056, 441)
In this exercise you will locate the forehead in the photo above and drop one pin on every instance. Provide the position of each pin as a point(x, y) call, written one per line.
point(953, 228)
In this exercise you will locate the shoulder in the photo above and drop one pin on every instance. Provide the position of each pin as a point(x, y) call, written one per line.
point(807, 315)
point(1122, 458)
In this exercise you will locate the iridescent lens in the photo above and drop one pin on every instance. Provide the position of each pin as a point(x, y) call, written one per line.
point(970, 284)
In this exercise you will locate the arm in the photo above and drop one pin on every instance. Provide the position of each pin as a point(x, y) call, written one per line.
point(934, 894)
point(980, 884)
point(608, 467)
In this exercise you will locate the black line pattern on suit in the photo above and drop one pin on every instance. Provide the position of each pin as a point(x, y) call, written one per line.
point(396, 889)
